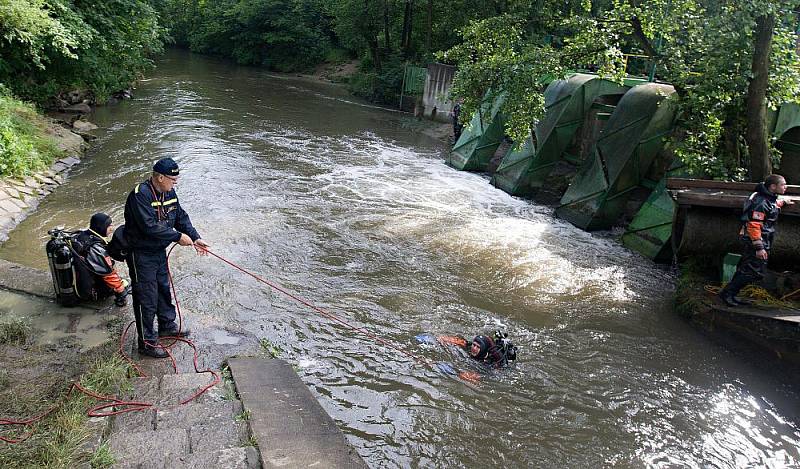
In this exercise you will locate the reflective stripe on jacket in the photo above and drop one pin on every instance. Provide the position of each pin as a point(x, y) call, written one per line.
point(154, 220)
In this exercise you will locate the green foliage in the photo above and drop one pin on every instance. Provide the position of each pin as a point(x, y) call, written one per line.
point(14, 330)
point(108, 376)
point(242, 416)
point(383, 87)
point(500, 53)
point(102, 458)
point(57, 440)
point(49, 46)
point(284, 35)
point(24, 147)
point(704, 48)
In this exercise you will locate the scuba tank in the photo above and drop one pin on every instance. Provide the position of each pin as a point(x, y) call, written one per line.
point(505, 347)
point(59, 256)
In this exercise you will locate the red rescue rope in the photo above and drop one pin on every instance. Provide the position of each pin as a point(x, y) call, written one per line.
point(324, 313)
point(121, 406)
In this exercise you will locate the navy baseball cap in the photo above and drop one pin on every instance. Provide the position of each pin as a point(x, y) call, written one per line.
point(167, 167)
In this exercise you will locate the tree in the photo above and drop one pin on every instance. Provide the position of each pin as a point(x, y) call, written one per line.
point(757, 140)
point(703, 48)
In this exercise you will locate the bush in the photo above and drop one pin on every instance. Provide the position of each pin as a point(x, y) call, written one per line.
point(381, 87)
point(14, 330)
point(49, 46)
point(24, 146)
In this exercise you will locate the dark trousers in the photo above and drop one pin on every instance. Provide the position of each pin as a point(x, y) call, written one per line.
point(151, 294)
point(750, 268)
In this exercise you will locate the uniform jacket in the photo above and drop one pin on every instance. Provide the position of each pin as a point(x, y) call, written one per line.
point(154, 220)
point(759, 215)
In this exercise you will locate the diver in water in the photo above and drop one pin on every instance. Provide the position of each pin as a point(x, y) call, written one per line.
point(495, 352)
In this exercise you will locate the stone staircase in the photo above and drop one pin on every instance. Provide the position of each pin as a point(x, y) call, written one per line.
point(210, 431)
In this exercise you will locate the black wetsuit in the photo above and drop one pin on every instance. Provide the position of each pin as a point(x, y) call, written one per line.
point(759, 216)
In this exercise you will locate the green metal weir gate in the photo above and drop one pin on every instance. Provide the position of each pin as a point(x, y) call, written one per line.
point(480, 138)
point(523, 171)
point(623, 156)
point(627, 155)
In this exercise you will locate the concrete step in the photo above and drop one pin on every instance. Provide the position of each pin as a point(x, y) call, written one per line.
point(170, 390)
point(136, 446)
point(199, 413)
point(291, 428)
point(229, 458)
point(181, 416)
point(219, 435)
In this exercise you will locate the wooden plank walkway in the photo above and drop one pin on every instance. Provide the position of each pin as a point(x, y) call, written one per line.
point(698, 192)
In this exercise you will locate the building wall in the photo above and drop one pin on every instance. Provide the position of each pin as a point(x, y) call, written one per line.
point(435, 98)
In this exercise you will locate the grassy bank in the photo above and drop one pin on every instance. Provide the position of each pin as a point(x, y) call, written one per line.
point(37, 377)
point(24, 144)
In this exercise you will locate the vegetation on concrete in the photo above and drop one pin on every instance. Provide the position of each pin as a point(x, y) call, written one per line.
point(24, 144)
point(57, 441)
point(228, 386)
point(102, 458)
point(269, 348)
point(14, 330)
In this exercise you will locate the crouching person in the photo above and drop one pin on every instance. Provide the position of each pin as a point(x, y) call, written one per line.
point(97, 278)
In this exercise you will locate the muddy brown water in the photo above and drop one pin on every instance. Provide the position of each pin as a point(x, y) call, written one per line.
point(352, 207)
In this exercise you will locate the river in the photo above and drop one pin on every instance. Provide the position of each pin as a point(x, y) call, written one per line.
point(353, 208)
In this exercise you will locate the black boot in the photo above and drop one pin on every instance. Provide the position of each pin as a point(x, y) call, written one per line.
point(728, 294)
point(174, 333)
point(728, 298)
point(155, 352)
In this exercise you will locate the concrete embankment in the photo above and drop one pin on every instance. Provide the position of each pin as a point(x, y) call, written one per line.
point(20, 195)
point(771, 327)
point(260, 415)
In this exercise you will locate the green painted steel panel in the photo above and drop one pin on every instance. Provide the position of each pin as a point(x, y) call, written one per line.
point(624, 153)
point(566, 104)
point(414, 80)
point(650, 230)
point(787, 118)
point(480, 138)
point(729, 264)
point(515, 157)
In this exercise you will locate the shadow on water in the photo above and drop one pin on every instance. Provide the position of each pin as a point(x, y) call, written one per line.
point(338, 202)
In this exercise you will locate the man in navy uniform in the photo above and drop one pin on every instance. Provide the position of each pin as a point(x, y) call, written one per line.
point(759, 215)
point(153, 220)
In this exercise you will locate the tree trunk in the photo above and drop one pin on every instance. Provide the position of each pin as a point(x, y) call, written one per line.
point(386, 25)
point(756, 133)
point(430, 27)
point(408, 21)
point(374, 48)
point(370, 31)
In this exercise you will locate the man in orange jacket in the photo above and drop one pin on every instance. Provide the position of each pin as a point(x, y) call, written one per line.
point(759, 216)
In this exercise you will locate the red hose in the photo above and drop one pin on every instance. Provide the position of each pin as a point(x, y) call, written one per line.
point(120, 406)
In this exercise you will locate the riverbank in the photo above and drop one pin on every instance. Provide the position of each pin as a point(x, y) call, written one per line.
point(43, 348)
point(44, 149)
point(769, 323)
